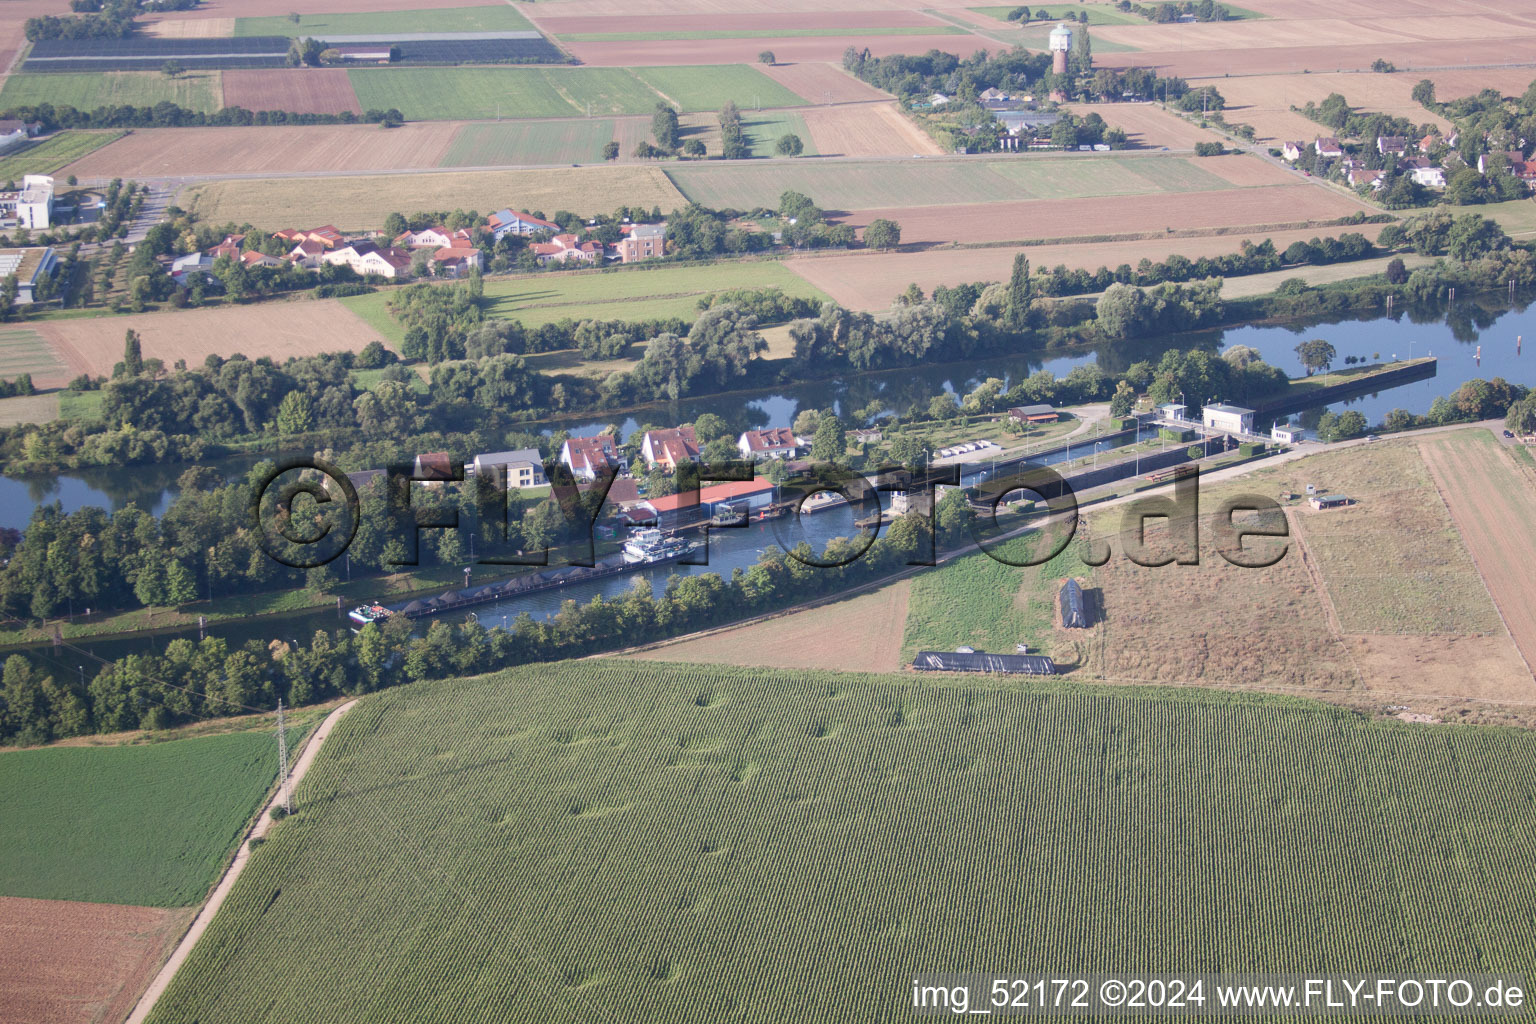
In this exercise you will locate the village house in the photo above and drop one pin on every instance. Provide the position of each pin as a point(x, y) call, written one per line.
point(183, 267)
point(1424, 172)
point(1359, 176)
point(257, 259)
point(434, 468)
point(1033, 415)
point(586, 457)
point(774, 443)
point(564, 248)
point(668, 449)
point(1292, 150)
point(1485, 161)
point(641, 242)
point(307, 253)
point(525, 467)
point(1328, 146)
point(368, 258)
point(326, 235)
point(1393, 145)
point(509, 222)
point(435, 238)
point(452, 261)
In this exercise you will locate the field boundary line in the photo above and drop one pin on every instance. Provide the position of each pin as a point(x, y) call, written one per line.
point(146, 1002)
point(1434, 476)
point(1331, 613)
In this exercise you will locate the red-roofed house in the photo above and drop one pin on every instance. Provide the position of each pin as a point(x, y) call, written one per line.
point(433, 466)
point(775, 443)
point(676, 510)
point(307, 253)
point(670, 448)
point(327, 235)
point(259, 259)
point(454, 260)
point(588, 456)
point(565, 247)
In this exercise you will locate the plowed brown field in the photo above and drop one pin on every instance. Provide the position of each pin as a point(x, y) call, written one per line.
point(1113, 215)
point(64, 962)
point(871, 280)
point(276, 329)
point(866, 129)
point(756, 21)
point(1493, 503)
point(1264, 101)
point(1287, 60)
point(822, 83)
point(307, 91)
point(1148, 125)
point(178, 152)
point(279, 8)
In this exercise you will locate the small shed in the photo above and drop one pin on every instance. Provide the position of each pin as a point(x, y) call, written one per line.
point(1034, 414)
point(1074, 614)
point(1322, 501)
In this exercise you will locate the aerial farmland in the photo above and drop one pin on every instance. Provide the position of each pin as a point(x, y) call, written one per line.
point(609, 510)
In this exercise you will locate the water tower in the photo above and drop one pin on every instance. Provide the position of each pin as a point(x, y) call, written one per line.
point(1061, 42)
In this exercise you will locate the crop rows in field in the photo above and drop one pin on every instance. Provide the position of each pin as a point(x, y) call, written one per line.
point(641, 841)
point(490, 18)
point(148, 825)
point(49, 155)
point(196, 90)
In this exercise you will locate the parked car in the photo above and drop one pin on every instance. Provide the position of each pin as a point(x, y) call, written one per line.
point(1509, 433)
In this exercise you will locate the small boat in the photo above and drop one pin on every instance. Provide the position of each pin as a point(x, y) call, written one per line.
point(364, 614)
point(772, 512)
point(728, 517)
point(650, 545)
point(822, 500)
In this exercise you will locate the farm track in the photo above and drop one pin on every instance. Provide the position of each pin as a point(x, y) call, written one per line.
point(221, 891)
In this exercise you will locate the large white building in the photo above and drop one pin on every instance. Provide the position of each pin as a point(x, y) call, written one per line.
point(34, 203)
point(1233, 419)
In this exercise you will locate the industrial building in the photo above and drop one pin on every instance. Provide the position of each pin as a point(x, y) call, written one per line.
point(30, 207)
point(1233, 419)
point(981, 661)
point(29, 267)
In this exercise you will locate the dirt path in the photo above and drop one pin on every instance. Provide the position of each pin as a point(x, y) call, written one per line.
point(242, 855)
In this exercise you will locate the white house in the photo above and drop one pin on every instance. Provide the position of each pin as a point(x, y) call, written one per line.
point(368, 258)
point(1328, 146)
point(588, 456)
point(670, 448)
point(1287, 434)
point(774, 443)
point(525, 467)
point(1233, 419)
point(1292, 150)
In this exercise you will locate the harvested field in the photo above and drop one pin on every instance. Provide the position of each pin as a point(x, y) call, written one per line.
point(1479, 667)
point(1148, 125)
point(1244, 169)
point(821, 83)
point(639, 53)
point(1407, 56)
point(1111, 215)
point(302, 91)
point(187, 28)
point(866, 129)
point(149, 152)
point(483, 18)
point(282, 8)
point(276, 329)
point(23, 350)
point(29, 409)
point(860, 634)
point(49, 155)
point(871, 280)
point(356, 203)
point(1264, 101)
point(679, 25)
point(1450, 85)
point(1394, 563)
point(1492, 499)
point(79, 963)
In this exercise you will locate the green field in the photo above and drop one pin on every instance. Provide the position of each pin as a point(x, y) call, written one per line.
point(618, 295)
point(494, 18)
point(707, 88)
point(612, 840)
point(148, 825)
point(761, 33)
point(531, 142)
point(50, 154)
point(195, 90)
point(862, 186)
point(764, 128)
point(468, 93)
point(24, 351)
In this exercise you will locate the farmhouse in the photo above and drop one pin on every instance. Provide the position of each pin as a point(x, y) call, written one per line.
point(641, 242)
point(865, 435)
point(774, 443)
point(586, 457)
point(1322, 501)
point(980, 661)
point(508, 222)
point(1233, 419)
point(1328, 146)
point(29, 267)
point(433, 466)
point(676, 510)
point(525, 467)
point(1292, 150)
point(670, 448)
point(1033, 414)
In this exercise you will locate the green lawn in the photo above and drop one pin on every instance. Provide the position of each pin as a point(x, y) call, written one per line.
point(80, 406)
point(707, 88)
point(493, 18)
point(149, 825)
point(196, 90)
point(638, 841)
point(761, 33)
point(764, 128)
point(860, 185)
point(50, 154)
point(616, 295)
point(530, 142)
point(602, 91)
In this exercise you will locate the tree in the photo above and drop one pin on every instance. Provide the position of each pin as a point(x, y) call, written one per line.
point(296, 413)
point(1017, 298)
point(1521, 418)
point(766, 57)
point(830, 442)
point(1020, 15)
point(1397, 271)
point(1316, 354)
point(293, 16)
point(1123, 401)
point(789, 145)
point(694, 148)
point(1474, 236)
point(943, 407)
point(884, 234)
point(133, 354)
point(1424, 93)
point(664, 127)
point(611, 150)
point(1081, 56)
point(171, 69)
point(180, 584)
